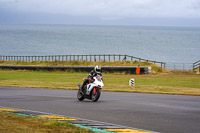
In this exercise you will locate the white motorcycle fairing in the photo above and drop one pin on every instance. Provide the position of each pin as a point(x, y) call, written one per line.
point(98, 83)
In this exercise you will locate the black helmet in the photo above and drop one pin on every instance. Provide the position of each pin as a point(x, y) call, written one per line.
point(97, 69)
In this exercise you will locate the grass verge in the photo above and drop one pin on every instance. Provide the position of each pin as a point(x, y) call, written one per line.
point(12, 123)
point(155, 68)
point(165, 83)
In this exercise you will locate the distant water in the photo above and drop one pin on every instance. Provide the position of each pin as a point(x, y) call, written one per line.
point(167, 44)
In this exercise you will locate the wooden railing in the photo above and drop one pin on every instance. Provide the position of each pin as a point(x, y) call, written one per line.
point(109, 57)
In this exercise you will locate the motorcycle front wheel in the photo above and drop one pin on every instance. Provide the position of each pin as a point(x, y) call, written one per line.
point(80, 95)
point(95, 97)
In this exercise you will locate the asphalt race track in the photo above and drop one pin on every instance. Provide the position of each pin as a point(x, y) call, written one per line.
point(159, 113)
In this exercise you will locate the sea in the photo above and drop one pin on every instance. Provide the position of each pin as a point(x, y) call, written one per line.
point(165, 44)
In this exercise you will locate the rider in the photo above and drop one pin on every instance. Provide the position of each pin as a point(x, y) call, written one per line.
point(95, 72)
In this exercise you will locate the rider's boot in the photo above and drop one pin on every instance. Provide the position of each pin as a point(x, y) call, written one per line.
point(82, 88)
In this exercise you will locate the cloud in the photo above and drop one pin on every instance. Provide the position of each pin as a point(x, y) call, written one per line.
point(107, 8)
point(106, 12)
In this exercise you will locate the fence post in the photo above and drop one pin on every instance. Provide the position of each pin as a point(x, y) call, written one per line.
point(174, 66)
point(193, 66)
point(94, 58)
point(65, 57)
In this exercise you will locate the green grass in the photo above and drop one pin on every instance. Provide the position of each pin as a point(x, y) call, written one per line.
point(12, 123)
point(164, 83)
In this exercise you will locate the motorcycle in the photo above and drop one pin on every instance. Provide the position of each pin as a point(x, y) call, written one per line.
point(92, 90)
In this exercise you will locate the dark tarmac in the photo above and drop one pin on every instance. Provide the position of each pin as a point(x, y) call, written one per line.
point(155, 112)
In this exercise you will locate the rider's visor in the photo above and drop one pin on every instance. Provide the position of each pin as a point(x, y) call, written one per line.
point(98, 70)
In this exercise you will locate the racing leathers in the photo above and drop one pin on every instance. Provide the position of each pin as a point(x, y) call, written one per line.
point(90, 78)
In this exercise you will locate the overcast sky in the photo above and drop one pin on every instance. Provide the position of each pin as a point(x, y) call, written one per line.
point(101, 12)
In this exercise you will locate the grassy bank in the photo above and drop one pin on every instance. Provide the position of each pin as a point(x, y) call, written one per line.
point(184, 83)
point(12, 123)
point(155, 68)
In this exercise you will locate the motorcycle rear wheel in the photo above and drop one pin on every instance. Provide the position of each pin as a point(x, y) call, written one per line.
point(80, 95)
point(95, 97)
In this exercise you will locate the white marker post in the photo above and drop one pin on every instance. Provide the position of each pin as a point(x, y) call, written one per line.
point(132, 82)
